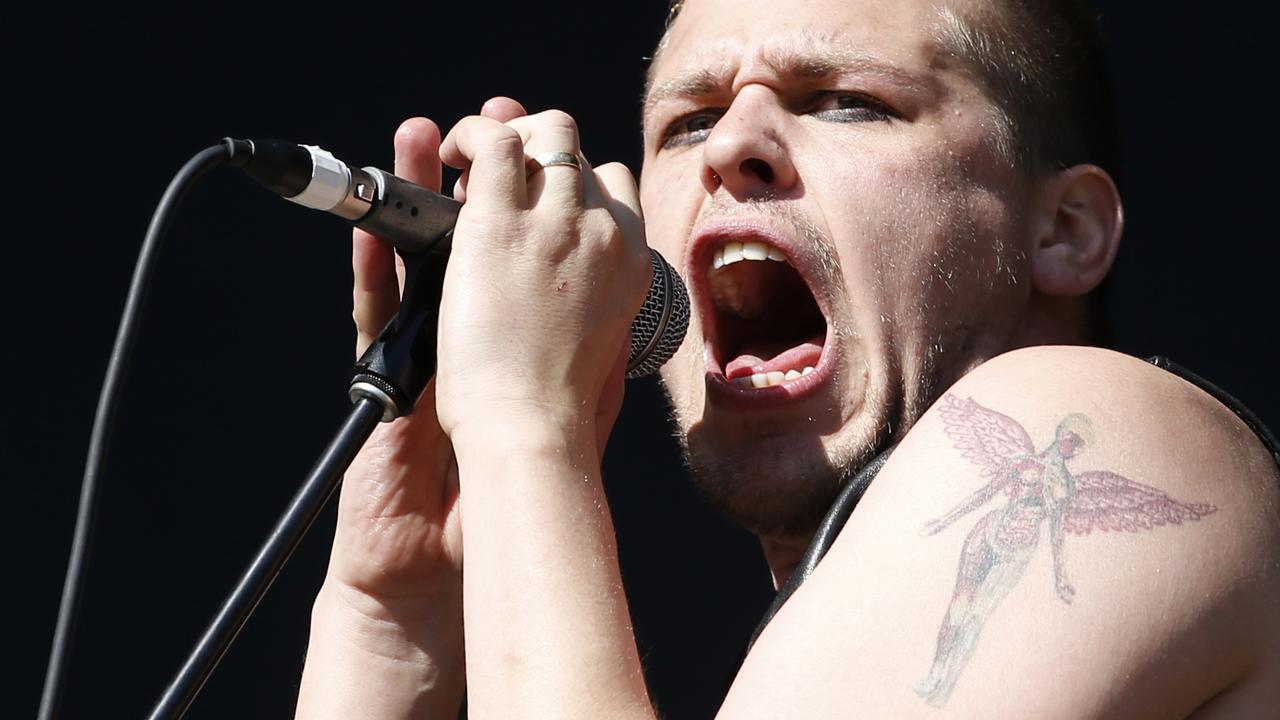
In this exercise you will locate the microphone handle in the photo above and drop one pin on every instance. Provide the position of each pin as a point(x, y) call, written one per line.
point(404, 214)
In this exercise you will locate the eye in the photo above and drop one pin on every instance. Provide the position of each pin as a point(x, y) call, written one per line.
point(850, 107)
point(690, 129)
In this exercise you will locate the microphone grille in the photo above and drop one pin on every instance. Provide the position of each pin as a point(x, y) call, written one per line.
point(660, 325)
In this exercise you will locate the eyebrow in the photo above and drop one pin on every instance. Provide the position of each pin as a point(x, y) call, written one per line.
point(806, 64)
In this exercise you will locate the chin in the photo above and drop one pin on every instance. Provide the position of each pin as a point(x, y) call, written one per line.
point(776, 478)
point(778, 487)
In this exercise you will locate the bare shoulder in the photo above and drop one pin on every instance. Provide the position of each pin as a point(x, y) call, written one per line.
point(1145, 414)
point(1068, 532)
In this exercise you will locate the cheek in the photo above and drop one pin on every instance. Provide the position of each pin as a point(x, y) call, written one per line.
point(933, 240)
point(909, 213)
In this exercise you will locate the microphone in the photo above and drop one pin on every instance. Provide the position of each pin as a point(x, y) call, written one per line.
point(416, 220)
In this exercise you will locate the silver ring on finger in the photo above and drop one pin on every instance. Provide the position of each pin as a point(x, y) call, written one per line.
point(552, 159)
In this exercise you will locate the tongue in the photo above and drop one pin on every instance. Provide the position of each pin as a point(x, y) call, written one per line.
point(752, 360)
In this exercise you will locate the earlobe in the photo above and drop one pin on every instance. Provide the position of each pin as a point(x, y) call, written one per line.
point(1080, 232)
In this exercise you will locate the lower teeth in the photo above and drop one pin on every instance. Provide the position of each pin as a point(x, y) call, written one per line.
point(769, 379)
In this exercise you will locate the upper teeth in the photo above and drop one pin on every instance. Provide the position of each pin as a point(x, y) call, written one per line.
point(737, 251)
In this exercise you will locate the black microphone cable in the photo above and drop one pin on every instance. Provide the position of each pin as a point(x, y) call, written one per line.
point(285, 536)
point(301, 513)
point(104, 416)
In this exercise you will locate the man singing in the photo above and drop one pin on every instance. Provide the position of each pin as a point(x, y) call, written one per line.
point(893, 218)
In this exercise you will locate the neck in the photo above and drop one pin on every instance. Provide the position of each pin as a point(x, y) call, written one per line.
point(1052, 321)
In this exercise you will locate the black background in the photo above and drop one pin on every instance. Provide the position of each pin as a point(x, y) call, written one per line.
point(240, 374)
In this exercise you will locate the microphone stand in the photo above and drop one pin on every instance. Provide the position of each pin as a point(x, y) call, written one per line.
point(385, 384)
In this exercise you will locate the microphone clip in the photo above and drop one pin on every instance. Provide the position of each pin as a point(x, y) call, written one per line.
point(396, 368)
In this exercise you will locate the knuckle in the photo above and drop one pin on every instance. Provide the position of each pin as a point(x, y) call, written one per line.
point(506, 139)
point(614, 169)
point(361, 323)
point(557, 119)
point(601, 223)
point(486, 129)
point(362, 314)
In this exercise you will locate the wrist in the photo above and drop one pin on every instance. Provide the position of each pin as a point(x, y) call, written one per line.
point(526, 433)
point(375, 657)
point(414, 628)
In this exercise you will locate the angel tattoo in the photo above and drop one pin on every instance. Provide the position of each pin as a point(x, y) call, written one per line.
point(1039, 487)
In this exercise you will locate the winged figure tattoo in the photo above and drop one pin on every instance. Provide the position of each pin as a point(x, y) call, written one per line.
point(1037, 487)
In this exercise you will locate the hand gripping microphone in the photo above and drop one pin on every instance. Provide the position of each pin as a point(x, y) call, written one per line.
point(419, 223)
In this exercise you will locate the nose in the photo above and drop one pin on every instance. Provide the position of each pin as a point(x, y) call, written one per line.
point(745, 153)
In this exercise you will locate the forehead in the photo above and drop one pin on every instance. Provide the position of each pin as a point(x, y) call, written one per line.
point(717, 37)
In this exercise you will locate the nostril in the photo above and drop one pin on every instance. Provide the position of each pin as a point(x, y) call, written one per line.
point(711, 180)
point(759, 168)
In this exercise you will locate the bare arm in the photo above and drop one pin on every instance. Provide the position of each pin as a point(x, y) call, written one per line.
point(369, 658)
point(529, 383)
point(548, 628)
point(1170, 615)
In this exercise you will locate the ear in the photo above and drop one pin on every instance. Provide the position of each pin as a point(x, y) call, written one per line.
point(1078, 232)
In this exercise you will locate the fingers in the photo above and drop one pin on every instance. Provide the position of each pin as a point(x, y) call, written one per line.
point(378, 271)
point(493, 155)
point(622, 197)
point(502, 109)
point(417, 145)
point(484, 148)
point(376, 291)
point(491, 147)
point(550, 132)
point(620, 186)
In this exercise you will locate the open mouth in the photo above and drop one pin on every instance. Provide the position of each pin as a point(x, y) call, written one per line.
point(764, 327)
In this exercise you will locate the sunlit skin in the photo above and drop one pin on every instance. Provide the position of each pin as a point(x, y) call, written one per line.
point(837, 124)
point(871, 159)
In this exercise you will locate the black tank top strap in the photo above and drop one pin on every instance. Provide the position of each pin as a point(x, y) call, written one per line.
point(825, 536)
